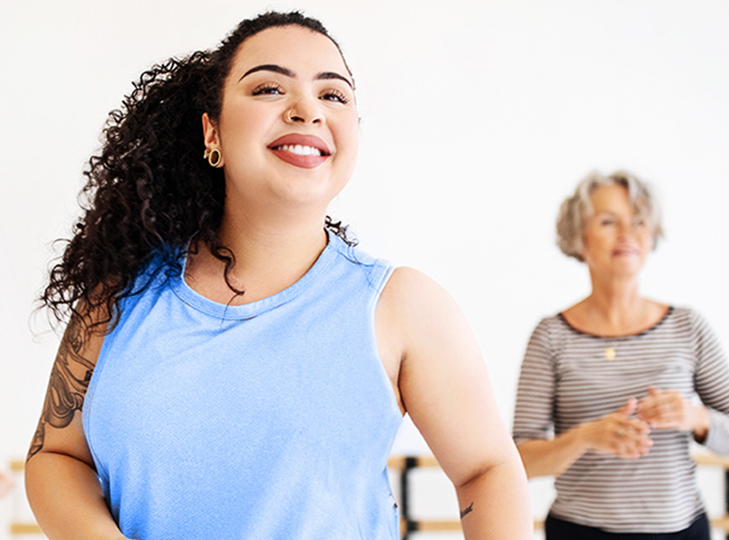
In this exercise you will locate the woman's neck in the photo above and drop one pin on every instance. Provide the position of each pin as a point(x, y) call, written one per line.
point(615, 308)
point(615, 299)
point(269, 257)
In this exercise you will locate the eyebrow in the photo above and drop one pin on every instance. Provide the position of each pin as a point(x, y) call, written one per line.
point(324, 75)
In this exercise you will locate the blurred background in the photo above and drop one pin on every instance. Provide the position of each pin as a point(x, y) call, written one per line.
point(477, 120)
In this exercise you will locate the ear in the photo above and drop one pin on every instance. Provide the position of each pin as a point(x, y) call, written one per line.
point(211, 135)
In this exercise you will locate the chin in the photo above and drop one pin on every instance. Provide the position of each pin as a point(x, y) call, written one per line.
point(627, 271)
point(306, 198)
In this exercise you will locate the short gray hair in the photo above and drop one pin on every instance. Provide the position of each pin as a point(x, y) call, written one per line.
point(576, 209)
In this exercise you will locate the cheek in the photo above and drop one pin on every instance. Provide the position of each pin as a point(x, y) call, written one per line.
point(346, 126)
point(595, 239)
point(244, 124)
point(347, 137)
point(648, 241)
point(353, 143)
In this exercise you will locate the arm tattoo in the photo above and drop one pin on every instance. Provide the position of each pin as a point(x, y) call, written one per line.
point(70, 378)
point(467, 511)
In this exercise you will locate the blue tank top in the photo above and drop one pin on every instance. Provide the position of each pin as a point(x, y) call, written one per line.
point(270, 420)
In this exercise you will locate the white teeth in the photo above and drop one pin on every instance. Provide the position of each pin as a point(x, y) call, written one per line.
point(300, 150)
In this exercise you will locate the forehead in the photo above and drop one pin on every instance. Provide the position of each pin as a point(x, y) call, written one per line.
point(609, 192)
point(296, 48)
point(615, 197)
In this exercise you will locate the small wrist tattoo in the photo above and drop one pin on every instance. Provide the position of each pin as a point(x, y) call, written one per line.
point(467, 511)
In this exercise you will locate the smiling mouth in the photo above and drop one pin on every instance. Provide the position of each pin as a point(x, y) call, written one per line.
point(300, 150)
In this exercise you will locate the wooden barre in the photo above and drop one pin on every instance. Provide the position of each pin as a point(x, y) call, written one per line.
point(25, 528)
point(400, 462)
point(721, 523)
point(710, 460)
point(443, 525)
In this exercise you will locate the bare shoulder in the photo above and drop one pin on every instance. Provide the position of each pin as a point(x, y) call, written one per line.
point(415, 297)
point(414, 316)
point(423, 317)
point(406, 280)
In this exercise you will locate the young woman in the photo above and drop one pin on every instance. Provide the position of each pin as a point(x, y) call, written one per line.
point(613, 389)
point(241, 368)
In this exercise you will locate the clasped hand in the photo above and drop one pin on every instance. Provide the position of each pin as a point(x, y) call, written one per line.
point(668, 409)
point(626, 432)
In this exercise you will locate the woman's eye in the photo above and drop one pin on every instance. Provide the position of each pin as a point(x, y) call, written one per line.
point(335, 95)
point(606, 222)
point(267, 89)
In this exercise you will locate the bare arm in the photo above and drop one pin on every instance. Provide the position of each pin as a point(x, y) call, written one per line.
point(60, 478)
point(444, 386)
point(551, 457)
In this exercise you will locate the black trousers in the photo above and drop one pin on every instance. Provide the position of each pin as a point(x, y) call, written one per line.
point(557, 529)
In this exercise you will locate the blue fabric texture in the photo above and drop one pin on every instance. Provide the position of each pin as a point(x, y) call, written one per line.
point(270, 420)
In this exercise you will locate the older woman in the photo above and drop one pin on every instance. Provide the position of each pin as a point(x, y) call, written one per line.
point(613, 389)
point(242, 369)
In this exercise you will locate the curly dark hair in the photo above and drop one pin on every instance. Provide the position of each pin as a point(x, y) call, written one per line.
point(150, 194)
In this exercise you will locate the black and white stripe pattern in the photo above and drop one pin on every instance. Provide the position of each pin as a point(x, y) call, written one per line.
point(567, 379)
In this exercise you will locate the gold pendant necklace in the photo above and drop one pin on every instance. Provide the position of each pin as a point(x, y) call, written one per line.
point(610, 353)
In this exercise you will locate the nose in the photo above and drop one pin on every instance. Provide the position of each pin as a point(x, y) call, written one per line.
point(625, 229)
point(304, 110)
point(629, 229)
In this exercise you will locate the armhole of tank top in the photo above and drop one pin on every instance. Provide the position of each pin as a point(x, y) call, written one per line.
point(380, 275)
point(87, 410)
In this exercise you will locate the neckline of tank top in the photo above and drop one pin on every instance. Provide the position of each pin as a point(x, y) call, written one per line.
point(663, 319)
point(254, 309)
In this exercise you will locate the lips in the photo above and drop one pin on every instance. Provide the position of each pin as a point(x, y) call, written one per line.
point(305, 151)
point(625, 251)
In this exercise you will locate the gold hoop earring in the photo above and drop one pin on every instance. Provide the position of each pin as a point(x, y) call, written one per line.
point(214, 157)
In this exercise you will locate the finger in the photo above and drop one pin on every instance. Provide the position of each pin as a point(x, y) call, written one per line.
point(653, 409)
point(646, 404)
point(655, 396)
point(633, 453)
point(673, 418)
point(629, 434)
point(626, 451)
point(634, 425)
point(629, 407)
point(666, 418)
point(654, 419)
point(676, 401)
point(636, 446)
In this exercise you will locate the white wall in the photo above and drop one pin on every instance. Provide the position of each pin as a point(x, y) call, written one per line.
point(478, 119)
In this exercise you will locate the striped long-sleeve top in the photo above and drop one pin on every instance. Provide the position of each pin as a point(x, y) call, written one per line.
point(569, 378)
